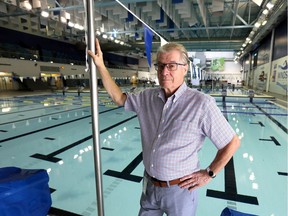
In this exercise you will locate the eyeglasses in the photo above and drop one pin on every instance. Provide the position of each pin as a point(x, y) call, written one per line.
point(170, 66)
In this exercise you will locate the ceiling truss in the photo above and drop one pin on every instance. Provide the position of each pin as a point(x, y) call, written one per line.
point(200, 25)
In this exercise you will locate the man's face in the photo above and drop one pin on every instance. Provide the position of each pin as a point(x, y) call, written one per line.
point(171, 76)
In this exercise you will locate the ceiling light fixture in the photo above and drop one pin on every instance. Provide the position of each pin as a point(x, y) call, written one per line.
point(269, 5)
point(45, 14)
point(98, 32)
point(26, 4)
point(265, 12)
point(71, 24)
point(264, 22)
point(257, 24)
point(63, 17)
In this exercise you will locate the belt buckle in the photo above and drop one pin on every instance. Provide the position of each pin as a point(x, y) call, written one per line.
point(159, 183)
point(163, 184)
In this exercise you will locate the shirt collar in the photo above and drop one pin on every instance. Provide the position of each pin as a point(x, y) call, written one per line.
point(161, 94)
point(180, 91)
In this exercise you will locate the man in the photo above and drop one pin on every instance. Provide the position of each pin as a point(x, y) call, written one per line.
point(174, 122)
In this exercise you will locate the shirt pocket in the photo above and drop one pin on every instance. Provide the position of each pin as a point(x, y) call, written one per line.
point(183, 132)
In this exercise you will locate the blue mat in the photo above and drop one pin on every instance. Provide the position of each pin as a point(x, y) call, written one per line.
point(230, 212)
point(24, 192)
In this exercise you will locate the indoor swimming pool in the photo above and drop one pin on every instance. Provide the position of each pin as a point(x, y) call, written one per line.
point(54, 132)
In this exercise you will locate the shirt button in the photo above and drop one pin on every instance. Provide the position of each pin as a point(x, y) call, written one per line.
point(159, 135)
point(152, 165)
point(163, 121)
point(154, 150)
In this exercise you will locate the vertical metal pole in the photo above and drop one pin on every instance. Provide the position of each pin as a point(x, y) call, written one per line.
point(250, 75)
point(94, 107)
point(268, 75)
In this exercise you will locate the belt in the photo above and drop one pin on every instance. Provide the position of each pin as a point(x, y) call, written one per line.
point(159, 183)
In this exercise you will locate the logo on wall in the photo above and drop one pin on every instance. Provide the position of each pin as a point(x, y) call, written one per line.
point(282, 73)
point(217, 64)
point(262, 76)
point(284, 66)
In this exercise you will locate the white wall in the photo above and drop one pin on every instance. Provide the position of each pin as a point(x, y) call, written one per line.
point(229, 67)
point(226, 55)
point(232, 73)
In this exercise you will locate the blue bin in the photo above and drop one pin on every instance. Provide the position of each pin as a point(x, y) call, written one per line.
point(24, 192)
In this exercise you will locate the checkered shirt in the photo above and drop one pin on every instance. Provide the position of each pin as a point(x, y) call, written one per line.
point(173, 130)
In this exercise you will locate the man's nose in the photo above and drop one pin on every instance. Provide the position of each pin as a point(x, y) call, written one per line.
point(164, 70)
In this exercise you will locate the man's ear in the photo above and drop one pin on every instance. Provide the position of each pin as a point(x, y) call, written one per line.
point(186, 69)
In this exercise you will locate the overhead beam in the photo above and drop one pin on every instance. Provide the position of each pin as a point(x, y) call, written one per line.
point(202, 9)
point(234, 17)
point(188, 29)
point(239, 17)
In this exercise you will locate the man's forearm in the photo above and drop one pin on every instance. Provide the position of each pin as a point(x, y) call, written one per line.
point(113, 90)
point(111, 87)
point(224, 155)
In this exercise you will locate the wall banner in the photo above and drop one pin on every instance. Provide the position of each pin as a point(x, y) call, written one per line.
point(278, 81)
point(260, 77)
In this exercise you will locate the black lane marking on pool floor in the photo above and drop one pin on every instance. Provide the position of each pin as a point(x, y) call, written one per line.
point(126, 172)
point(273, 139)
point(258, 123)
point(55, 113)
point(41, 116)
point(52, 190)
point(42, 129)
point(272, 119)
point(108, 149)
point(56, 125)
point(52, 156)
point(60, 212)
point(230, 192)
point(49, 138)
point(247, 107)
point(38, 108)
point(283, 173)
point(254, 113)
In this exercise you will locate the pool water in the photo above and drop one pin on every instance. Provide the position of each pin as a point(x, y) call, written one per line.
point(54, 132)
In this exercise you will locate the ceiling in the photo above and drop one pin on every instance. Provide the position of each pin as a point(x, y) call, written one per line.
point(200, 25)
